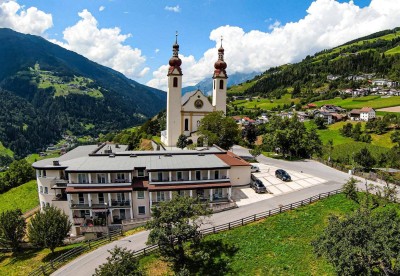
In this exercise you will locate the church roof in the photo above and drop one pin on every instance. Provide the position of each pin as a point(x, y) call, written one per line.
point(185, 98)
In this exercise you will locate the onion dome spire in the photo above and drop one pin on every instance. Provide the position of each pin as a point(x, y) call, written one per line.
point(220, 64)
point(175, 62)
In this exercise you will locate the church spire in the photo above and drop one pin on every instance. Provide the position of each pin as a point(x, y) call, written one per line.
point(220, 65)
point(175, 62)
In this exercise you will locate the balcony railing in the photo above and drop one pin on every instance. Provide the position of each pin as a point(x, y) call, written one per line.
point(177, 181)
point(125, 203)
point(80, 206)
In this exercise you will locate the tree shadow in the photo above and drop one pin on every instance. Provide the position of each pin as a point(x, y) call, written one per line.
point(22, 255)
point(211, 257)
point(52, 256)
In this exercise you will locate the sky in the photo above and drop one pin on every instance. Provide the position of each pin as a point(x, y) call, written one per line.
point(136, 37)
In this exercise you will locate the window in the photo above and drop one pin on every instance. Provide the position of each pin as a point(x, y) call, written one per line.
point(142, 210)
point(122, 214)
point(120, 177)
point(101, 178)
point(44, 173)
point(46, 190)
point(198, 175)
point(179, 176)
point(47, 204)
point(140, 194)
point(218, 193)
point(216, 174)
point(81, 199)
point(140, 172)
point(101, 198)
point(82, 178)
point(120, 197)
point(43, 204)
point(41, 189)
point(221, 84)
point(160, 196)
point(159, 176)
point(186, 124)
point(175, 82)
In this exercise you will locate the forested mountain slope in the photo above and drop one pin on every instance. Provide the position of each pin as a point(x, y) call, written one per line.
point(46, 90)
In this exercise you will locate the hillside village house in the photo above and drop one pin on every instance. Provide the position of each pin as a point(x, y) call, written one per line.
point(363, 114)
point(89, 181)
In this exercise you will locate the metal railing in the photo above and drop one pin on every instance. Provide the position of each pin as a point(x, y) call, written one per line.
point(59, 261)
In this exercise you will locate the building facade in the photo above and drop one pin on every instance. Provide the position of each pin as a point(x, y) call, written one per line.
point(102, 184)
point(185, 112)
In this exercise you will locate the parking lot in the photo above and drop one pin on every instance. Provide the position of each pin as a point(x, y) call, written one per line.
point(275, 186)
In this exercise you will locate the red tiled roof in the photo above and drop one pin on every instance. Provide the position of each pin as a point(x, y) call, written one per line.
point(73, 190)
point(366, 109)
point(232, 159)
point(355, 111)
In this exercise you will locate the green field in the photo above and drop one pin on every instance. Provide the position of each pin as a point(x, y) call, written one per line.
point(393, 51)
point(240, 88)
point(279, 245)
point(367, 101)
point(333, 133)
point(32, 158)
point(24, 197)
point(266, 103)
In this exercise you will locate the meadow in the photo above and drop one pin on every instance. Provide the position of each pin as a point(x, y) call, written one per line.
point(367, 101)
point(266, 104)
point(24, 197)
point(278, 245)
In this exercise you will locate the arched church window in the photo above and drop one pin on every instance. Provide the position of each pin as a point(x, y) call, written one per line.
point(221, 84)
point(186, 124)
point(175, 82)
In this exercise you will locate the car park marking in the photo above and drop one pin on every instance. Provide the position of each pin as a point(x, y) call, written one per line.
point(300, 180)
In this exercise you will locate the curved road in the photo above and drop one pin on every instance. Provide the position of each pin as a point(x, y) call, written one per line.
point(85, 265)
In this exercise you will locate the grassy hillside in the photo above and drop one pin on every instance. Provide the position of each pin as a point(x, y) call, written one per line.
point(370, 101)
point(24, 197)
point(5, 151)
point(266, 103)
point(279, 245)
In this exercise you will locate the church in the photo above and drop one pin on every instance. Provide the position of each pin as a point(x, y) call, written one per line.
point(185, 112)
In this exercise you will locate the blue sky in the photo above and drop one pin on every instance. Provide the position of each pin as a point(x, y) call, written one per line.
point(135, 37)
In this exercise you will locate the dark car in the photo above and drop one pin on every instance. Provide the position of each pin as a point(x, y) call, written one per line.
point(257, 185)
point(283, 175)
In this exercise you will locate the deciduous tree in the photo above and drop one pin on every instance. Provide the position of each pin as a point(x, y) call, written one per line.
point(49, 228)
point(173, 224)
point(121, 263)
point(12, 229)
point(218, 129)
point(182, 141)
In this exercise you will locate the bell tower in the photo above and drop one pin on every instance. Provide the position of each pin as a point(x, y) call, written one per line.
point(174, 96)
point(220, 82)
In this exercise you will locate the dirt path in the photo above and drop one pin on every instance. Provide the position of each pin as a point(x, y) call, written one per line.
point(390, 109)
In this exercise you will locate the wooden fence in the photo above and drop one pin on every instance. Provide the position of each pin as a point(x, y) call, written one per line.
point(59, 261)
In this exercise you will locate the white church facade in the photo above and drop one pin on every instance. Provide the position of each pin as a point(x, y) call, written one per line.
point(185, 112)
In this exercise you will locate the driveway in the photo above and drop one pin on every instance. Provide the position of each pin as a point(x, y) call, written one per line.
point(310, 171)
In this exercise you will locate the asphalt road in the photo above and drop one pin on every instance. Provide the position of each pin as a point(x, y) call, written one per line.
point(86, 264)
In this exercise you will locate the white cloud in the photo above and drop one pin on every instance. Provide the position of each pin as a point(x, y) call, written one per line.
point(104, 45)
point(327, 24)
point(102, 8)
point(173, 9)
point(30, 21)
point(156, 51)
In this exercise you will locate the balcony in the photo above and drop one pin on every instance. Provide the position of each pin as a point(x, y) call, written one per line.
point(80, 206)
point(60, 197)
point(120, 204)
point(178, 181)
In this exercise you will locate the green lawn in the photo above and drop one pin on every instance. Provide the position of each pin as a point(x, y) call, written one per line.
point(31, 158)
point(368, 101)
point(24, 197)
point(266, 103)
point(279, 245)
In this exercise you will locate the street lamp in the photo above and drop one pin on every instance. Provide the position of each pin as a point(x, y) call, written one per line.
point(108, 229)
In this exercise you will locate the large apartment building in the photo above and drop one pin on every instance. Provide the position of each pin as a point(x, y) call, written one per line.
point(99, 183)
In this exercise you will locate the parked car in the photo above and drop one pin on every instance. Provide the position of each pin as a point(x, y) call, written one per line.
point(257, 185)
point(283, 175)
point(255, 169)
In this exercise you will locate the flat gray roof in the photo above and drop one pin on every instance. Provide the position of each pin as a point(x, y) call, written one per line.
point(83, 158)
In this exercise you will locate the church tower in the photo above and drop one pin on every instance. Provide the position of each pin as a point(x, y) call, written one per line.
point(220, 82)
point(174, 97)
